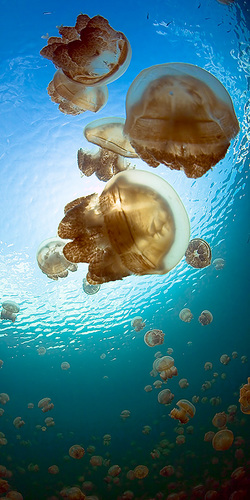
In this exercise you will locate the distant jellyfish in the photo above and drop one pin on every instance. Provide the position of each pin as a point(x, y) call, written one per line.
point(148, 388)
point(41, 351)
point(125, 414)
point(224, 359)
point(90, 289)
point(114, 470)
point(138, 323)
point(9, 310)
point(76, 451)
point(141, 471)
point(184, 413)
point(73, 493)
point(51, 260)
point(183, 383)
point(219, 420)
point(234, 355)
point(103, 355)
point(165, 397)
point(180, 439)
point(4, 398)
point(49, 421)
point(223, 440)
point(218, 264)
point(198, 253)
point(154, 337)
point(53, 469)
point(170, 351)
point(181, 116)
point(238, 473)
point(65, 365)
point(208, 366)
point(18, 422)
point(209, 436)
point(146, 429)
point(244, 399)
point(96, 461)
point(157, 384)
point(106, 439)
point(185, 315)
point(14, 495)
point(205, 318)
point(138, 225)
point(167, 471)
point(1, 412)
point(243, 359)
point(45, 404)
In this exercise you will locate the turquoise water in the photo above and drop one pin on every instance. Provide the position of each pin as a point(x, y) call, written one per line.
point(39, 175)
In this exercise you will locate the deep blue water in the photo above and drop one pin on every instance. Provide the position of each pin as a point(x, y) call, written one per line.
point(39, 175)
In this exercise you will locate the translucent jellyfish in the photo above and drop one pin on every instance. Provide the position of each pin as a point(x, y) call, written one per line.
point(138, 323)
point(30, 405)
point(180, 115)
point(1, 412)
point(185, 315)
point(208, 366)
point(41, 351)
point(218, 264)
point(243, 359)
point(96, 461)
point(219, 420)
point(114, 470)
point(244, 399)
point(4, 398)
point(138, 225)
point(53, 469)
point(165, 397)
point(170, 351)
point(180, 439)
point(106, 439)
point(157, 384)
point(183, 383)
point(108, 133)
point(9, 310)
point(75, 98)
point(234, 355)
point(141, 471)
point(224, 359)
point(49, 421)
point(125, 414)
point(51, 260)
point(45, 404)
point(90, 289)
point(146, 429)
point(154, 337)
point(65, 365)
point(205, 318)
point(184, 413)
point(223, 440)
point(76, 451)
point(103, 163)
point(18, 422)
point(148, 388)
point(198, 253)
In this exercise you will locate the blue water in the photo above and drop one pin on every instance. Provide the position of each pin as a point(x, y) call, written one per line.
point(39, 175)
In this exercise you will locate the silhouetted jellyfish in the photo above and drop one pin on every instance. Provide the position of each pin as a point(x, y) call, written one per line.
point(9, 310)
point(198, 253)
point(51, 260)
point(154, 337)
point(184, 413)
point(141, 471)
point(138, 323)
point(138, 225)
point(218, 264)
point(244, 399)
point(90, 289)
point(76, 451)
point(180, 115)
point(223, 440)
point(186, 315)
point(165, 397)
point(205, 318)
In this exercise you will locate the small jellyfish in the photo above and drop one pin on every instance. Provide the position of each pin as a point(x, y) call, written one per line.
point(185, 315)
point(73, 493)
point(198, 253)
point(18, 422)
point(219, 420)
point(49, 421)
point(41, 351)
point(125, 414)
point(90, 289)
point(205, 318)
point(218, 264)
point(223, 440)
point(157, 384)
point(208, 437)
point(224, 359)
point(1, 363)
point(180, 439)
point(184, 413)
point(183, 383)
point(243, 359)
point(170, 351)
point(148, 388)
point(14, 495)
point(146, 429)
point(141, 471)
point(4, 398)
point(154, 337)
point(76, 451)
point(45, 404)
point(65, 365)
point(53, 469)
point(138, 323)
point(114, 470)
point(165, 397)
point(244, 399)
point(234, 355)
point(51, 260)
point(96, 461)
point(167, 471)
point(106, 439)
point(181, 116)
point(208, 366)
point(137, 225)
point(9, 310)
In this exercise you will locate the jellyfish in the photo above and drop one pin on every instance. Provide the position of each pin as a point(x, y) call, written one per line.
point(224, 359)
point(45, 404)
point(165, 397)
point(219, 420)
point(185, 412)
point(244, 399)
point(198, 253)
point(141, 471)
point(1, 412)
point(154, 337)
point(146, 429)
point(180, 439)
point(1, 363)
point(65, 365)
point(106, 439)
point(218, 264)
point(234, 355)
point(205, 318)
point(14, 495)
point(76, 451)
point(103, 163)
point(73, 493)
point(167, 471)
point(18, 422)
point(125, 414)
point(148, 388)
point(138, 323)
point(183, 383)
point(96, 461)
point(157, 384)
point(223, 440)
point(90, 289)
point(186, 315)
point(170, 351)
point(51, 260)
point(114, 470)
point(9, 310)
point(209, 436)
point(180, 115)
point(53, 469)
point(4, 398)
point(41, 351)
point(243, 359)
point(208, 366)
point(49, 421)
point(137, 225)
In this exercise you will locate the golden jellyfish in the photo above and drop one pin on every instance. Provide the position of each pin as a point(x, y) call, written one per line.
point(219, 420)
point(76, 451)
point(53, 469)
point(4, 398)
point(165, 397)
point(114, 470)
point(218, 264)
point(9, 310)
point(138, 323)
point(148, 388)
point(45, 404)
point(49, 421)
point(141, 471)
point(180, 439)
point(51, 260)
point(209, 436)
point(18, 422)
point(205, 317)
point(184, 413)
point(103, 163)
point(223, 440)
point(73, 493)
point(243, 359)
point(195, 399)
point(125, 414)
point(198, 253)
point(138, 225)
point(167, 471)
point(181, 116)
point(234, 355)
point(96, 461)
point(244, 399)
point(157, 384)
point(107, 133)
point(65, 365)
point(4, 485)
point(14, 495)
point(224, 359)
point(238, 473)
point(90, 289)
point(154, 337)
point(208, 366)
point(183, 383)
point(185, 315)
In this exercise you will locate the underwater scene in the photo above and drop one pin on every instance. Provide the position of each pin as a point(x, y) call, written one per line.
point(124, 250)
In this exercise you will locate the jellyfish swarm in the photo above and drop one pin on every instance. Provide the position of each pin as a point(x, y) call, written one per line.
point(9, 310)
point(89, 54)
point(245, 397)
point(180, 115)
point(51, 260)
point(198, 253)
point(138, 225)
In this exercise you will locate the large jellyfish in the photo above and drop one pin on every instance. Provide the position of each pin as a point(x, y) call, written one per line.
point(51, 260)
point(9, 310)
point(223, 440)
point(198, 253)
point(138, 225)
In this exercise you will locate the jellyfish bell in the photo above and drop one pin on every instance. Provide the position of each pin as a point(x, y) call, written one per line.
point(51, 260)
point(223, 440)
point(218, 264)
point(154, 337)
point(205, 318)
point(180, 115)
point(138, 225)
point(9, 310)
point(198, 253)
point(108, 134)
point(90, 289)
